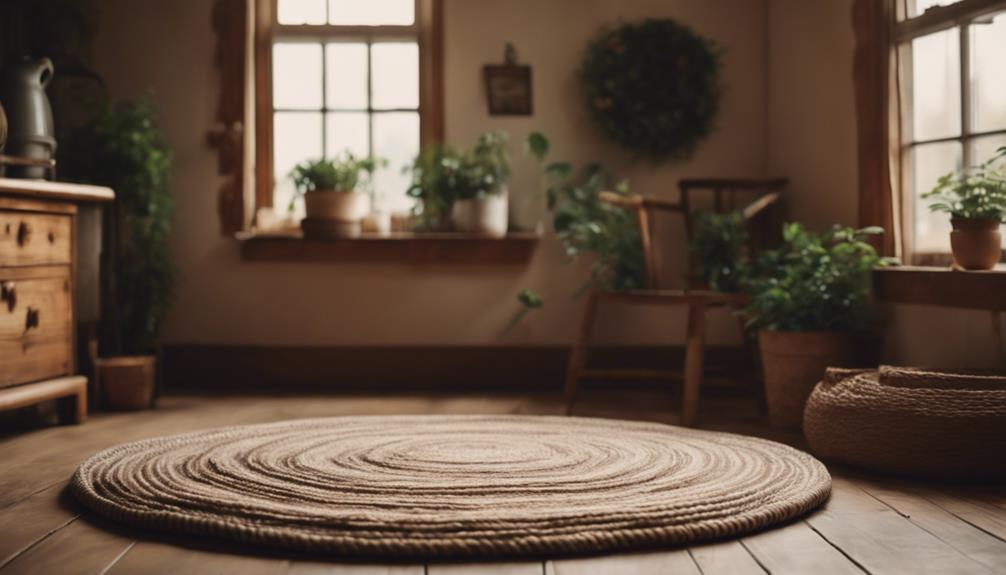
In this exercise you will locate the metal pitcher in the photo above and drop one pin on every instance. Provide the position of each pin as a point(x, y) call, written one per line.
point(30, 131)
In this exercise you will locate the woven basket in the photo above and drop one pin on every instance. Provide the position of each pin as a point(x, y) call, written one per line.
point(930, 424)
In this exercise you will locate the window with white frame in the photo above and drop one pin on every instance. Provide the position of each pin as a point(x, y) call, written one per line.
point(345, 78)
point(953, 82)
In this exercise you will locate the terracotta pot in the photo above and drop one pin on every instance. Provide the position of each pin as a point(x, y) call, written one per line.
point(336, 205)
point(793, 363)
point(126, 382)
point(976, 242)
point(486, 215)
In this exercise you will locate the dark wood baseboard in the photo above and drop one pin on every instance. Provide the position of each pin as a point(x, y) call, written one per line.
point(418, 368)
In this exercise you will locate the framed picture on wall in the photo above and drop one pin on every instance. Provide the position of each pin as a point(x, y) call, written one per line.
point(508, 86)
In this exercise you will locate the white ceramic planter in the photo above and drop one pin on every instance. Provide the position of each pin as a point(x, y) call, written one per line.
point(336, 206)
point(487, 215)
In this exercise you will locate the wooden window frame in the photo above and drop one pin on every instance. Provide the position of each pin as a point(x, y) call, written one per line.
point(428, 32)
point(907, 28)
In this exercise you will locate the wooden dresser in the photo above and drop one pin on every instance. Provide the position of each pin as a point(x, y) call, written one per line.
point(38, 262)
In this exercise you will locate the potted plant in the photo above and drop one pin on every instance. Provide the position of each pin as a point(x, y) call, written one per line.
point(463, 191)
point(482, 205)
point(436, 178)
point(122, 147)
point(335, 194)
point(976, 202)
point(809, 301)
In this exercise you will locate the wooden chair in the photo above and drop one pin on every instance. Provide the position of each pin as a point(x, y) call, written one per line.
point(764, 220)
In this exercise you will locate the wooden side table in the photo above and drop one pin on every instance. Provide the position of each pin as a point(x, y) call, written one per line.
point(38, 263)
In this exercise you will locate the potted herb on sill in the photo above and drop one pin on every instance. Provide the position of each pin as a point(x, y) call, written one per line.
point(809, 302)
point(482, 204)
point(122, 148)
point(436, 178)
point(976, 202)
point(464, 192)
point(335, 193)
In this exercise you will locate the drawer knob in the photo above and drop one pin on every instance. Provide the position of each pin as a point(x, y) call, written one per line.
point(31, 319)
point(23, 233)
point(8, 294)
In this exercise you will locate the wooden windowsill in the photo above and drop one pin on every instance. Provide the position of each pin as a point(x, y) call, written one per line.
point(942, 286)
point(406, 248)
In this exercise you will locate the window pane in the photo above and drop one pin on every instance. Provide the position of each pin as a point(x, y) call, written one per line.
point(395, 75)
point(982, 149)
point(988, 73)
point(372, 12)
point(296, 76)
point(936, 89)
point(346, 76)
point(347, 131)
point(296, 137)
point(396, 138)
point(930, 162)
point(301, 12)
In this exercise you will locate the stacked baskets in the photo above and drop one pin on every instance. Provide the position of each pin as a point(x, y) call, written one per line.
point(939, 424)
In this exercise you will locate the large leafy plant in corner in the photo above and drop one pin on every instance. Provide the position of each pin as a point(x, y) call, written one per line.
point(122, 147)
point(814, 282)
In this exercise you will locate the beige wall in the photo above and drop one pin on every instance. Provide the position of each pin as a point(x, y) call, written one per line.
point(168, 47)
point(788, 110)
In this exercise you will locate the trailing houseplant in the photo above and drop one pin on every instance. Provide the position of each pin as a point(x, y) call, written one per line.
point(335, 193)
point(122, 147)
point(465, 191)
point(586, 226)
point(976, 202)
point(809, 299)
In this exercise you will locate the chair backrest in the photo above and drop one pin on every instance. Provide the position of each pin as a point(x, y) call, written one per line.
point(764, 215)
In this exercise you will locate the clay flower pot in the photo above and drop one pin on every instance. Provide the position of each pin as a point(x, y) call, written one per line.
point(976, 242)
point(793, 363)
point(334, 213)
point(126, 382)
point(486, 215)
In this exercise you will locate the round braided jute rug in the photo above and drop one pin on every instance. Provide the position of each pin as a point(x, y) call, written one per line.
point(453, 486)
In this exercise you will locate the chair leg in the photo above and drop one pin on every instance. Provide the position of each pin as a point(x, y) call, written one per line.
point(694, 356)
point(578, 355)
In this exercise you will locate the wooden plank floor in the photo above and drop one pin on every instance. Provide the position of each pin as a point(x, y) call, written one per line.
point(871, 524)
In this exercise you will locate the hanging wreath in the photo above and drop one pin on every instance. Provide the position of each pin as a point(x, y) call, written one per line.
point(653, 87)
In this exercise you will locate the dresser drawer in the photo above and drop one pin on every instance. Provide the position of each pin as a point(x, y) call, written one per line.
point(35, 325)
point(31, 239)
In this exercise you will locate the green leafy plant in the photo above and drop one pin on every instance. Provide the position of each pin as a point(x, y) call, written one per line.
point(486, 167)
point(122, 147)
point(587, 226)
point(345, 174)
point(717, 249)
point(442, 175)
point(436, 184)
point(653, 87)
point(980, 193)
point(814, 282)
